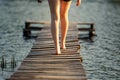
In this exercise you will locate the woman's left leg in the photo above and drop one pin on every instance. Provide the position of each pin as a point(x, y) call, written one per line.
point(64, 9)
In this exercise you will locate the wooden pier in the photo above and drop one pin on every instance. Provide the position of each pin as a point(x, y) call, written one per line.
point(43, 64)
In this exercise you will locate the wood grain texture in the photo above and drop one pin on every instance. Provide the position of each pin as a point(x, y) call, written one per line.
point(43, 64)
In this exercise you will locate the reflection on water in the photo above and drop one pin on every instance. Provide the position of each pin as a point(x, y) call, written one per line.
point(101, 57)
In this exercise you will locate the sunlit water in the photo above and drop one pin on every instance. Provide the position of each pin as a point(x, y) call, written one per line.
point(101, 58)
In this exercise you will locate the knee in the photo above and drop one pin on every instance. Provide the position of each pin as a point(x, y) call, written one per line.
point(63, 16)
point(55, 19)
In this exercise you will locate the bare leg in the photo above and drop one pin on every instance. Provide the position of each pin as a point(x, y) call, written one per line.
point(55, 19)
point(64, 21)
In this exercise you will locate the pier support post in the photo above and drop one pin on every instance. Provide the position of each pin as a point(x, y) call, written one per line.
point(27, 30)
point(91, 31)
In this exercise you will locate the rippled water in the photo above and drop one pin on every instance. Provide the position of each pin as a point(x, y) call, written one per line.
point(101, 58)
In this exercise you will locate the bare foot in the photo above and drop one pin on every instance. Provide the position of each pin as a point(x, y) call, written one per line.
point(63, 47)
point(57, 53)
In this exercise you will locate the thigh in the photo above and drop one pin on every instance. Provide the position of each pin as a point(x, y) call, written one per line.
point(64, 7)
point(54, 6)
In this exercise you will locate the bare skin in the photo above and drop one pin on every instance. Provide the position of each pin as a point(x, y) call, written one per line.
point(64, 9)
point(59, 13)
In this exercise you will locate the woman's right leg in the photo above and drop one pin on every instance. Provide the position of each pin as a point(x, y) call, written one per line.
point(55, 19)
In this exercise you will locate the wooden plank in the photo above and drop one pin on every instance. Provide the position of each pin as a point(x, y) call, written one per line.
point(36, 28)
point(85, 23)
point(85, 29)
point(37, 22)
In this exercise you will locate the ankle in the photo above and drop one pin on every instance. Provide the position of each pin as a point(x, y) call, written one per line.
point(58, 52)
point(63, 46)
